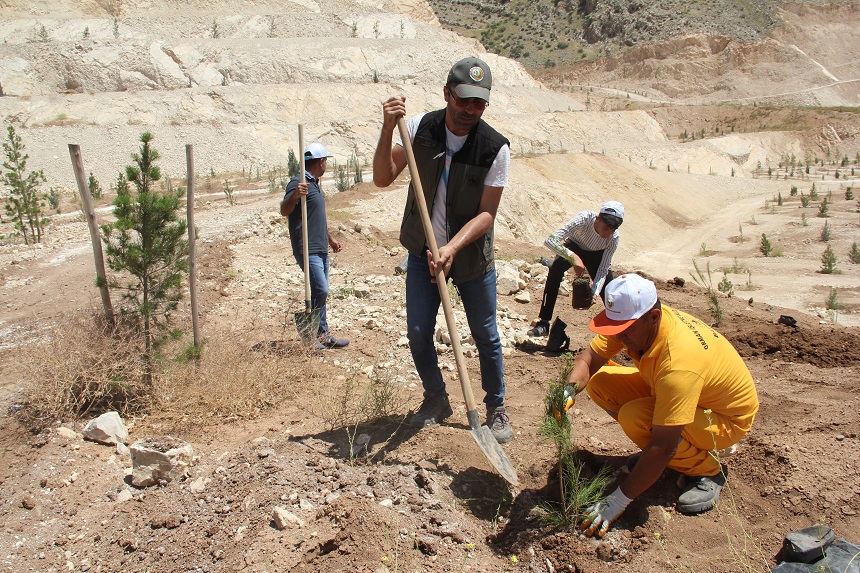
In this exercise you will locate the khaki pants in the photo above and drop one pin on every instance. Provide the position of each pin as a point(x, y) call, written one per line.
point(623, 393)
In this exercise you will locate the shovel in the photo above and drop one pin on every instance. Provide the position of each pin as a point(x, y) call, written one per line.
point(482, 435)
point(307, 322)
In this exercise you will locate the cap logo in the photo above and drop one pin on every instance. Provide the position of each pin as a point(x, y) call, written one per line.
point(476, 73)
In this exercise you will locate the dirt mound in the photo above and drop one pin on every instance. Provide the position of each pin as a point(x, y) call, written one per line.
point(823, 346)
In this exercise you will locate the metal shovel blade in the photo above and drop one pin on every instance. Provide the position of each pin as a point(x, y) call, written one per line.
point(308, 323)
point(492, 450)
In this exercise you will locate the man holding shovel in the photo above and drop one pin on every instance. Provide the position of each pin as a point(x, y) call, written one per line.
point(462, 164)
point(319, 238)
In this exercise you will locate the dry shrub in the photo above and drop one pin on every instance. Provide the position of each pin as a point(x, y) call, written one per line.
point(83, 367)
point(235, 378)
point(360, 397)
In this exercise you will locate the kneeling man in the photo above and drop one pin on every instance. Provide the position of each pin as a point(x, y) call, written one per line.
point(688, 396)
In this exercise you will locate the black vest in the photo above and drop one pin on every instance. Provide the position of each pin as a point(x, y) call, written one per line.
point(469, 167)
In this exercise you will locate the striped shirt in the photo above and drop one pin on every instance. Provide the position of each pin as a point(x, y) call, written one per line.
point(580, 230)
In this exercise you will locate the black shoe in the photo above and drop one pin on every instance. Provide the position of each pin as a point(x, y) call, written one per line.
point(433, 410)
point(329, 341)
point(500, 424)
point(540, 329)
point(701, 493)
point(558, 340)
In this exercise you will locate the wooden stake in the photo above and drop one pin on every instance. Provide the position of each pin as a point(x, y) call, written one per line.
point(95, 236)
point(192, 236)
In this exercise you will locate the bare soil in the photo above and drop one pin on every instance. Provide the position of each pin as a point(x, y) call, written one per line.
point(421, 501)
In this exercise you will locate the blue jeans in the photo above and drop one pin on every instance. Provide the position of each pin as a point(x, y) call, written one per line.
point(318, 264)
point(479, 301)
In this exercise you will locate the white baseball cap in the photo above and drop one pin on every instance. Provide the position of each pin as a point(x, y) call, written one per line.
point(613, 208)
point(628, 297)
point(316, 151)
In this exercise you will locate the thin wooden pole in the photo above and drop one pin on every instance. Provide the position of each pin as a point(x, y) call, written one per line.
point(95, 236)
point(192, 240)
point(305, 253)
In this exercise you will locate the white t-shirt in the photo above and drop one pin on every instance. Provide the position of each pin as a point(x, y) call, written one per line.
point(497, 176)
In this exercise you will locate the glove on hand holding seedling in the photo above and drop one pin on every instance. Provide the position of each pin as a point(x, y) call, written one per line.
point(600, 516)
point(568, 399)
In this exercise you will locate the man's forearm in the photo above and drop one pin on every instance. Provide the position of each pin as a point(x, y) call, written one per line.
point(384, 168)
point(558, 247)
point(470, 232)
point(288, 205)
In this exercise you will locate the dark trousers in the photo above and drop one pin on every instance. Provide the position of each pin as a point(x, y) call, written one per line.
point(591, 260)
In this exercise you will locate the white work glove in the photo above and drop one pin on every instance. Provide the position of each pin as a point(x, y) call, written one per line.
point(600, 516)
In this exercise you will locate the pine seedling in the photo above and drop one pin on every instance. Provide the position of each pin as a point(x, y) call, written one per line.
point(825, 232)
point(804, 200)
point(292, 164)
point(828, 261)
point(849, 194)
point(147, 244)
point(824, 208)
point(854, 253)
point(577, 490)
point(24, 202)
point(832, 301)
point(54, 197)
point(765, 247)
point(95, 186)
point(228, 192)
point(342, 178)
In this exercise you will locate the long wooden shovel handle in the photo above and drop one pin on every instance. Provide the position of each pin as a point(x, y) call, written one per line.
point(440, 276)
point(305, 254)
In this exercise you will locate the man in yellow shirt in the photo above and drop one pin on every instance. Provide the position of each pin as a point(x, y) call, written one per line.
point(689, 395)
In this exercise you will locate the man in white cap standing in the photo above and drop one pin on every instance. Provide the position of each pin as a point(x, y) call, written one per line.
point(688, 396)
point(587, 243)
point(463, 167)
point(319, 237)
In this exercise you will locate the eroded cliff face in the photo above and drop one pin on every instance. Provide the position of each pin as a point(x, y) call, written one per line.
point(235, 79)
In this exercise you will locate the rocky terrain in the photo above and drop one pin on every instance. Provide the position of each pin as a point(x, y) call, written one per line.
point(280, 484)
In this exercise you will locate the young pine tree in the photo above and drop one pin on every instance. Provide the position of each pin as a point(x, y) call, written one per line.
point(95, 186)
point(825, 232)
point(828, 261)
point(147, 242)
point(292, 164)
point(25, 201)
point(765, 247)
point(854, 253)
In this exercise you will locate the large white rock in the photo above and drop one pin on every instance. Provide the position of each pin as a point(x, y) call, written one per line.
point(507, 278)
point(107, 429)
point(152, 461)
